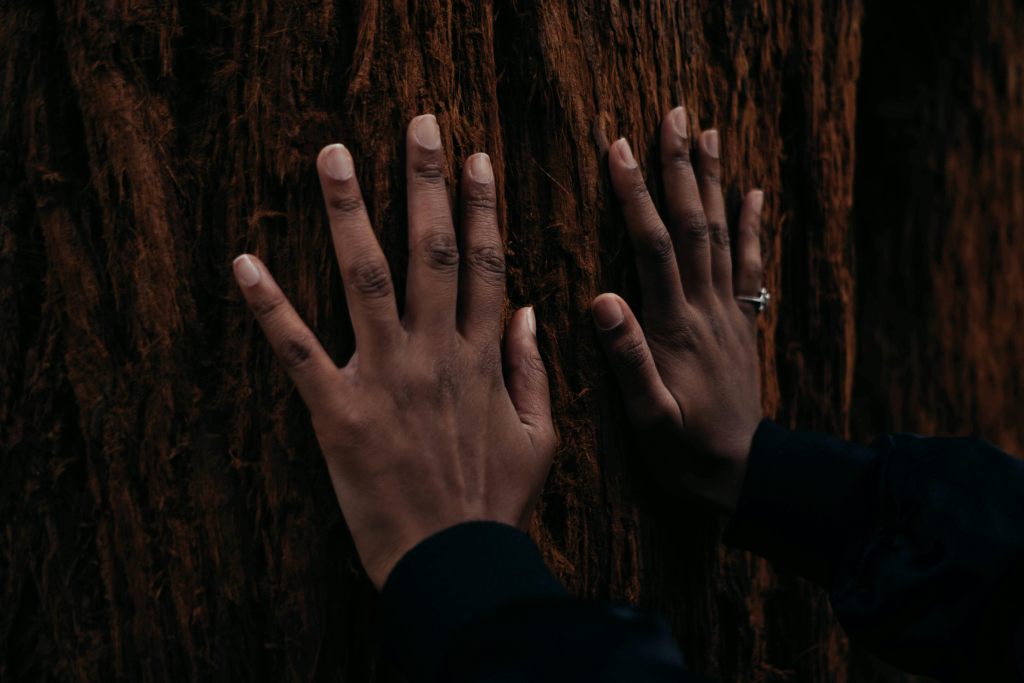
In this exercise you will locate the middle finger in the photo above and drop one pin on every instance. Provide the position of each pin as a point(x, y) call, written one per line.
point(430, 301)
point(688, 224)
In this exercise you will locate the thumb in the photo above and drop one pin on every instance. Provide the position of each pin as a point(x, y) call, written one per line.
point(647, 399)
point(527, 380)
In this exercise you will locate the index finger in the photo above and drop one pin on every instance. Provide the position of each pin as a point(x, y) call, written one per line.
point(311, 369)
point(364, 270)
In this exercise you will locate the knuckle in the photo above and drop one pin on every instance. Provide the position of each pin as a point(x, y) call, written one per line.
point(711, 176)
point(440, 250)
point(657, 247)
point(637, 192)
point(716, 326)
point(631, 352)
point(482, 203)
point(752, 229)
point(344, 204)
point(487, 261)
point(679, 159)
point(446, 376)
point(532, 364)
point(268, 307)
point(694, 225)
point(295, 351)
point(489, 361)
point(677, 334)
point(430, 171)
point(719, 234)
point(370, 278)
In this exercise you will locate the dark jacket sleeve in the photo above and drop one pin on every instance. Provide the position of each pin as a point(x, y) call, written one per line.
point(476, 603)
point(919, 542)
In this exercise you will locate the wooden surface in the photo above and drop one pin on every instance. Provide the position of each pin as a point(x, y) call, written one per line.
point(164, 508)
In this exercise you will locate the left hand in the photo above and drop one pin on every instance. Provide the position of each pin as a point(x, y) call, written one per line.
point(690, 375)
point(420, 430)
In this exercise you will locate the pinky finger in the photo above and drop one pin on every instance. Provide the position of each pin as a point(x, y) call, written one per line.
point(308, 365)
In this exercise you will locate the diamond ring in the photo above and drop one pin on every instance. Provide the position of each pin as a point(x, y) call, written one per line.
point(760, 301)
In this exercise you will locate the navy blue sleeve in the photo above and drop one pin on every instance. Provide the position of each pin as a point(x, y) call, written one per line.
point(475, 603)
point(919, 542)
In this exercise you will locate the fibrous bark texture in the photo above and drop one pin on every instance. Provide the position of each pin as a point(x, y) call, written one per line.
point(164, 508)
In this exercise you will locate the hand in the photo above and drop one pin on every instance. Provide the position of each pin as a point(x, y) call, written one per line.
point(690, 376)
point(419, 430)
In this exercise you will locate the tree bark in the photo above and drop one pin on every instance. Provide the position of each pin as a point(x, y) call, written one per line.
point(165, 510)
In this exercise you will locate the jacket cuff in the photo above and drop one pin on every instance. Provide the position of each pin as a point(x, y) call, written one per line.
point(451, 580)
point(804, 496)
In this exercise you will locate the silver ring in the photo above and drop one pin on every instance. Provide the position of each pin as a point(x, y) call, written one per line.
point(760, 301)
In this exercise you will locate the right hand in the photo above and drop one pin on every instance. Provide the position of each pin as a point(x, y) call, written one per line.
point(690, 377)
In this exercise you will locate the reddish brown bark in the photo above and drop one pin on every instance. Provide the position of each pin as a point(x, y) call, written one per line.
point(164, 508)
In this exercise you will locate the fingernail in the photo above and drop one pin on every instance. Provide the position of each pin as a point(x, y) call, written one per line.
point(338, 162)
point(757, 201)
point(710, 140)
point(607, 313)
point(679, 122)
point(246, 271)
point(531, 320)
point(426, 132)
point(480, 168)
point(626, 154)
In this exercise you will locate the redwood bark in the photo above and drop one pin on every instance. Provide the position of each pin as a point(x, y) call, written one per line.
point(164, 507)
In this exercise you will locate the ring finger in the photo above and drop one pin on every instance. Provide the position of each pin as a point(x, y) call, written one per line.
point(749, 271)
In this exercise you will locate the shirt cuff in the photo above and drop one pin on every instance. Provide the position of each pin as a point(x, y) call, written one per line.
point(804, 496)
point(452, 579)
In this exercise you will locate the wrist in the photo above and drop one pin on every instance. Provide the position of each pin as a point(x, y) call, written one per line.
point(718, 483)
point(736, 461)
point(382, 562)
point(802, 495)
point(715, 476)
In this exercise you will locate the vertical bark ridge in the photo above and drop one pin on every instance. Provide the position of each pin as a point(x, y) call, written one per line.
point(165, 511)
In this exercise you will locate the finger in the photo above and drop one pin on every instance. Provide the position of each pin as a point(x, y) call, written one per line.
point(483, 269)
point(688, 224)
point(311, 369)
point(709, 179)
point(527, 380)
point(433, 252)
point(369, 292)
point(749, 269)
point(647, 399)
point(652, 245)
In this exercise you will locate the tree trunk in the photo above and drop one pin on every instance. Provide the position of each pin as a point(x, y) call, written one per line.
point(165, 510)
